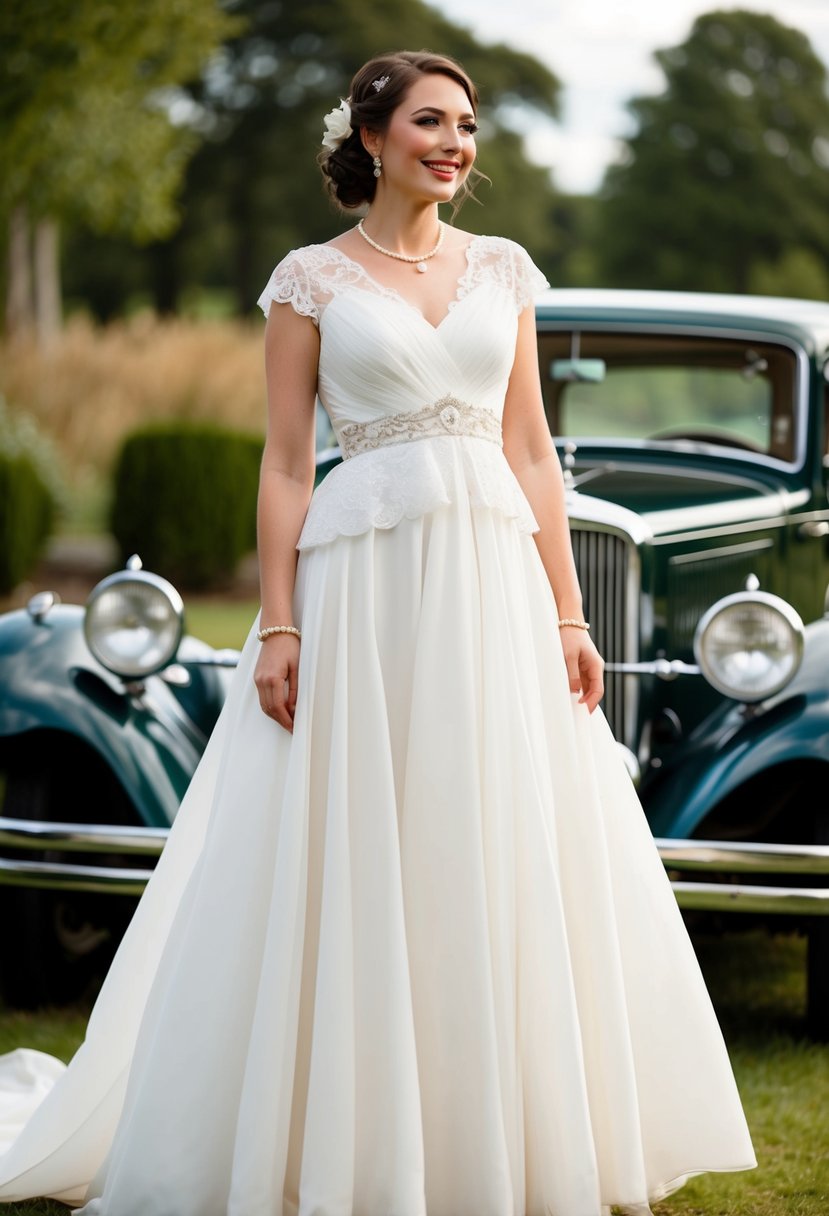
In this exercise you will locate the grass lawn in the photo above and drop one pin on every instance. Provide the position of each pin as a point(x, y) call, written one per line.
point(757, 983)
point(758, 987)
point(220, 622)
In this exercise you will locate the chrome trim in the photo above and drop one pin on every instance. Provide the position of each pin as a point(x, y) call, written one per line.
point(732, 528)
point(609, 571)
point(744, 856)
point(726, 857)
point(663, 669)
point(81, 837)
point(59, 876)
point(813, 529)
point(41, 604)
point(725, 897)
point(704, 555)
point(227, 657)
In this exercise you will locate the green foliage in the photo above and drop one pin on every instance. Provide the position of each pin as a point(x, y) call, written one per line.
point(728, 164)
point(85, 133)
point(185, 501)
point(28, 498)
point(801, 273)
point(575, 221)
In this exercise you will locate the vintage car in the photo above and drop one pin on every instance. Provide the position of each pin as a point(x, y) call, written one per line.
point(105, 711)
point(694, 435)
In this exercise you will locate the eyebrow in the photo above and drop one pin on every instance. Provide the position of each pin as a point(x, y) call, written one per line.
point(440, 113)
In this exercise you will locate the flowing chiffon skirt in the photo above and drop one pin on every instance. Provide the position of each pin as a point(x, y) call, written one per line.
point(420, 958)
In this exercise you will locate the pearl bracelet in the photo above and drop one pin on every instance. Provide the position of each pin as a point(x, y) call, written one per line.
point(569, 620)
point(272, 629)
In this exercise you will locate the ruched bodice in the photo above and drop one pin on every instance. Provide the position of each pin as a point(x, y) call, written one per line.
point(381, 359)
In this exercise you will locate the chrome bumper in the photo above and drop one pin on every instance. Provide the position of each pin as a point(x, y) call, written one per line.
point(732, 862)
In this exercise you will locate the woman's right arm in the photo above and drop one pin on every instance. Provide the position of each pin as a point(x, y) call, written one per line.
point(285, 486)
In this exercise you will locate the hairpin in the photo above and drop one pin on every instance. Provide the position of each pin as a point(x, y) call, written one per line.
point(380, 83)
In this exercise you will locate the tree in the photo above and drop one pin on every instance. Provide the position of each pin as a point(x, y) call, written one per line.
point(799, 272)
point(728, 165)
point(85, 134)
point(253, 190)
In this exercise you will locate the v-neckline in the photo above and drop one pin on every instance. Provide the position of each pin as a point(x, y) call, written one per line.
point(460, 284)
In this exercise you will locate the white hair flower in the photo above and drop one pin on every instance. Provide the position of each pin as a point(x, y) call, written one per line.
point(337, 126)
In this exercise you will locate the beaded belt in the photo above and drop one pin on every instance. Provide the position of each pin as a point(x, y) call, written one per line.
point(448, 416)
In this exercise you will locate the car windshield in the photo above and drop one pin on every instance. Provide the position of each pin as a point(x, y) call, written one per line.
point(659, 387)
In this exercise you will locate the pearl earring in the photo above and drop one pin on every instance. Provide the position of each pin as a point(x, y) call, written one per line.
point(378, 166)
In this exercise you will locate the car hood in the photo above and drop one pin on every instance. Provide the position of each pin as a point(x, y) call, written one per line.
point(662, 501)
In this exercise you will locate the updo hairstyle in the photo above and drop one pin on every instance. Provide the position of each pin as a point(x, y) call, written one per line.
point(348, 170)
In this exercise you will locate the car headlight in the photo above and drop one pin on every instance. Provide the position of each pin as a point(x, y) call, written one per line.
point(134, 623)
point(749, 645)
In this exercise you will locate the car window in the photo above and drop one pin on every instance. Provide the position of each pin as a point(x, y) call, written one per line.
point(660, 388)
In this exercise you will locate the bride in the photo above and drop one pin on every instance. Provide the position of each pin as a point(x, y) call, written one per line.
point(410, 949)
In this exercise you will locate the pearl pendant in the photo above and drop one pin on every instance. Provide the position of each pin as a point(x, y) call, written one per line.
point(422, 268)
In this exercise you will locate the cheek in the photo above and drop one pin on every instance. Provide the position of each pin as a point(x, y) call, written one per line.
point(409, 140)
point(418, 141)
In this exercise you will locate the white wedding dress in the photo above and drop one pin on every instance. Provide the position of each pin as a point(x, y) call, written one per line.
point(420, 958)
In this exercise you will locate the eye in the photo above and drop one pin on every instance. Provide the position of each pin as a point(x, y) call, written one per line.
point(421, 122)
point(469, 127)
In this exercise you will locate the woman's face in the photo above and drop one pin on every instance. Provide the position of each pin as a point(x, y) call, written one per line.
point(429, 146)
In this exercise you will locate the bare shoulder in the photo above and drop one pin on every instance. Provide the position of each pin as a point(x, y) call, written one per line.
point(457, 238)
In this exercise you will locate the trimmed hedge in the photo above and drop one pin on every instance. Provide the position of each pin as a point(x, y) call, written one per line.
point(30, 494)
point(185, 501)
point(27, 516)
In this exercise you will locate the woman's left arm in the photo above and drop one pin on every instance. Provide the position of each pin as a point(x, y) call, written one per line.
point(529, 448)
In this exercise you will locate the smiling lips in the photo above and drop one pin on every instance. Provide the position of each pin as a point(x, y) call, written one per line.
point(443, 168)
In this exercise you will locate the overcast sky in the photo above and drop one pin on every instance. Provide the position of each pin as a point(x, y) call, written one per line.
point(601, 51)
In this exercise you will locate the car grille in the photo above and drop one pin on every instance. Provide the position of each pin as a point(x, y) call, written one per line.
point(604, 562)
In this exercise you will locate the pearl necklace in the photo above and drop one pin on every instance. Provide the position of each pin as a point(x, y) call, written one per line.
point(419, 260)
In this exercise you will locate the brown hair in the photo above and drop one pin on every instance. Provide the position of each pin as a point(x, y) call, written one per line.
point(348, 170)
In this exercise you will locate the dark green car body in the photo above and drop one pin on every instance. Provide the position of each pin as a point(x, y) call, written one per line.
point(93, 767)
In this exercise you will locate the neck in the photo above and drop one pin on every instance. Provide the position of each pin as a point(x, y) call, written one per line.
point(404, 229)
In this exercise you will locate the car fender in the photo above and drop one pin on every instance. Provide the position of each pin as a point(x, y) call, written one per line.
point(738, 743)
point(51, 683)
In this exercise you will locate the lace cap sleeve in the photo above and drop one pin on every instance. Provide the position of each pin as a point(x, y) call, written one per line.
point(497, 260)
point(527, 280)
point(292, 283)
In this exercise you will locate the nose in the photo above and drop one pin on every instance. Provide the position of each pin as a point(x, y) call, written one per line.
point(451, 140)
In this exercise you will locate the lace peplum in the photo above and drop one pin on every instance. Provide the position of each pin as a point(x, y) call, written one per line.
point(380, 360)
point(404, 481)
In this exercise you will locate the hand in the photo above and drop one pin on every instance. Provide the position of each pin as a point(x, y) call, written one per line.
point(585, 666)
point(275, 677)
